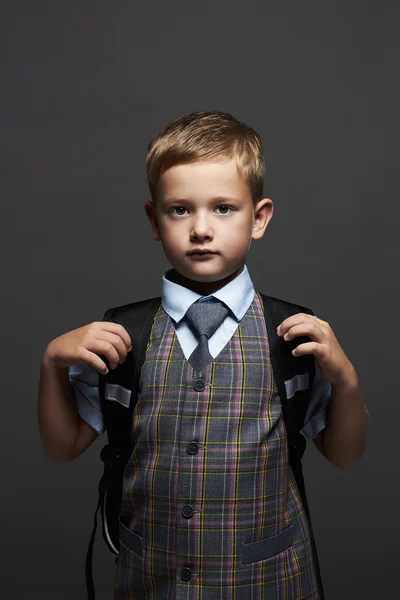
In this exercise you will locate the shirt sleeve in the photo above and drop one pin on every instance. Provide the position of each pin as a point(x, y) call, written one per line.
point(84, 381)
point(317, 412)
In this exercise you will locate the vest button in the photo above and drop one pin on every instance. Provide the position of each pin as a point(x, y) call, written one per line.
point(198, 385)
point(186, 574)
point(187, 511)
point(192, 448)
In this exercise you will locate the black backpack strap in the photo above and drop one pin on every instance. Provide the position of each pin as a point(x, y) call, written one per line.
point(286, 366)
point(121, 385)
point(137, 318)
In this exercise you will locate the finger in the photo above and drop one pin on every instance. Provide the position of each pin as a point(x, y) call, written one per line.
point(117, 329)
point(308, 348)
point(295, 319)
point(321, 321)
point(90, 358)
point(106, 348)
point(116, 341)
point(310, 328)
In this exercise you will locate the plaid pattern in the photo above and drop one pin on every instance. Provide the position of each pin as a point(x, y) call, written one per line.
point(210, 506)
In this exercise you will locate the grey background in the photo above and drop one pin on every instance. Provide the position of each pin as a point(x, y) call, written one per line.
point(85, 85)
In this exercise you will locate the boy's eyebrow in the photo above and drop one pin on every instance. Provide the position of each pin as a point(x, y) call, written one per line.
point(214, 199)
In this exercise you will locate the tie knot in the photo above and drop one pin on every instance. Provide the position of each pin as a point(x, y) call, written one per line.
point(206, 317)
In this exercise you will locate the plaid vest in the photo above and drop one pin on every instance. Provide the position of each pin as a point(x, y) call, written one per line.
point(210, 508)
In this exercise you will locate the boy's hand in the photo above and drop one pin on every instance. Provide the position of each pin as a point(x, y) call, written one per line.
point(334, 364)
point(82, 346)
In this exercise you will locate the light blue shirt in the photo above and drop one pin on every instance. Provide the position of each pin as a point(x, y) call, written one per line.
point(176, 299)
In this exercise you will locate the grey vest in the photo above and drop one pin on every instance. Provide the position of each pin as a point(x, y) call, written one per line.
point(210, 507)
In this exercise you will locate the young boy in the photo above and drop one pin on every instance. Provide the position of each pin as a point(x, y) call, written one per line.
point(210, 508)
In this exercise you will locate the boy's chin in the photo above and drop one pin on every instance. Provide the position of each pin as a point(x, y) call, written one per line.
point(177, 275)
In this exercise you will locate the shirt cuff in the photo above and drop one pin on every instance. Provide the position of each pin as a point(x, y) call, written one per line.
point(316, 424)
point(87, 401)
point(87, 412)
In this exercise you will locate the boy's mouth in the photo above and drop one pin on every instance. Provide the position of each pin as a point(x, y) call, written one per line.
point(201, 252)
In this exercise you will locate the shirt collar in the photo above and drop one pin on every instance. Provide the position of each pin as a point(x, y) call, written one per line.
point(238, 294)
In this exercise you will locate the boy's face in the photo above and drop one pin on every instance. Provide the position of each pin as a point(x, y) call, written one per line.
point(206, 206)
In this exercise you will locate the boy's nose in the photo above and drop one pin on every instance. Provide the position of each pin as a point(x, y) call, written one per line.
point(201, 227)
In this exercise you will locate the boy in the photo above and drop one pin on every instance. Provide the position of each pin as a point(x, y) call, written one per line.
point(210, 507)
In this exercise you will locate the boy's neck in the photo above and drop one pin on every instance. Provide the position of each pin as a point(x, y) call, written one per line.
point(204, 288)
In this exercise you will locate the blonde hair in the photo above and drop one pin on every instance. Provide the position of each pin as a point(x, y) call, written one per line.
point(207, 136)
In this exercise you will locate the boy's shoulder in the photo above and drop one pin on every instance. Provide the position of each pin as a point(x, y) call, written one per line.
point(285, 305)
point(126, 309)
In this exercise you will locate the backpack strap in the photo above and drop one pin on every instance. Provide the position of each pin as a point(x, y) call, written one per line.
point(294, 376)
point(118, 389)
point(118, 392)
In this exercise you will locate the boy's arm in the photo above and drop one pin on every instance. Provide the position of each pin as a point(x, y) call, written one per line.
point(322, 419)
point(65, 435)
point(63, 432)
point(87, 435)
point(343, 439)
point(319, 441)
point(60, 426)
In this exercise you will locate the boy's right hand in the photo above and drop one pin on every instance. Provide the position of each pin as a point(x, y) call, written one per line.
point(82, 346)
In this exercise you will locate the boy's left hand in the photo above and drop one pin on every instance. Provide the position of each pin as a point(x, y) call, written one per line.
point(334, 364)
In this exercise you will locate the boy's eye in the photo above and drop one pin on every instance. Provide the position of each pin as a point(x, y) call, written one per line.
point(178, 208)
point(224, 206)
point(182, 208)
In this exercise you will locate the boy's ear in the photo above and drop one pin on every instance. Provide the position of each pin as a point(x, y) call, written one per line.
point(262, 216)
point(151, 215)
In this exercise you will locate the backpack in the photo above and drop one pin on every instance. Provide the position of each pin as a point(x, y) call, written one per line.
point(294, 377)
